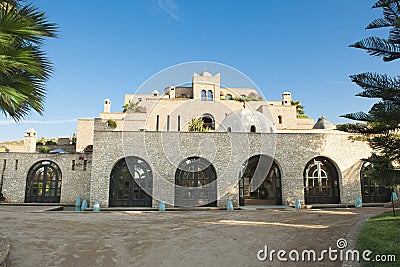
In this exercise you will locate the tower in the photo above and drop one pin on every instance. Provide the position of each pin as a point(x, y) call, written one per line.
point(286, 99)
point(107, 105)
point(30, 137)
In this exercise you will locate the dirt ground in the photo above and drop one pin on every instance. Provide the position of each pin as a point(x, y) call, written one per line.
point(175, 238)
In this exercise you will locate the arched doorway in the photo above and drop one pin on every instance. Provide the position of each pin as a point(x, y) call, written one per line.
point(321, 182)
point(260, 182)
point(131, 181)
point(208, 121)
point(43, 183)
point(372, 191)
point(195, 183)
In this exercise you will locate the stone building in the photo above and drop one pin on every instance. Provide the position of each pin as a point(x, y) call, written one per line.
point(256, 152)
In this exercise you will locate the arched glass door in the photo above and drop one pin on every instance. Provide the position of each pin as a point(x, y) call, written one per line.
point(131, 182)
point(321, 182)
point(43, 183)
point(195, 181)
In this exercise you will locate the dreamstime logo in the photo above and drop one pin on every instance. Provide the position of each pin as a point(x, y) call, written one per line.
point(340, 253)
point(216, 158)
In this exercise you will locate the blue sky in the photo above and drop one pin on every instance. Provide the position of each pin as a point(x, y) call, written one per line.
point(106, 49)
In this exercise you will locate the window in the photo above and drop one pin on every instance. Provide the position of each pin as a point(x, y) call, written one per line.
point(16, 164)
point(203, 95)
point(229, 129)
point(210, 95)
point(179, 123)
point(157, 122)
point(228, 97)
point(73, 165)
point(140, 99)
point(252, 129)
point(280, 119)
point(208, 121)
point(168, 123)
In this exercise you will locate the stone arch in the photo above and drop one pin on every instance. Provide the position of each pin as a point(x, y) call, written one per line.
point(260, 181)
point(131, 183)
point(372, 191)
point(321, 181)
point(208, 121)
point(195, 183)
point(43, 183)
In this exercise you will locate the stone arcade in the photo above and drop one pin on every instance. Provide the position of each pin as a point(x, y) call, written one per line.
point(255, 152)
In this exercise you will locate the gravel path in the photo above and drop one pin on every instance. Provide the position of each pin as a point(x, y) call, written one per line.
point(196, 238)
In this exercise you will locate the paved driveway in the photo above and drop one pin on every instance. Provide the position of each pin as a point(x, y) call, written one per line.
point(196, 238)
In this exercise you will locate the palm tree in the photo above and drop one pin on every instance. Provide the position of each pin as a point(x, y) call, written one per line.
point(132, 107)
point(24, 67)
point(299, 109)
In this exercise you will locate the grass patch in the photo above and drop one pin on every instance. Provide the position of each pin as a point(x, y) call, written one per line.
point(381, 235)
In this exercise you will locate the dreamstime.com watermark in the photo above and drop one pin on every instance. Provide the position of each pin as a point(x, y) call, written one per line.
point(340, 253)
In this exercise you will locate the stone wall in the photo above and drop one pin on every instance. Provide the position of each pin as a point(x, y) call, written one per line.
point(227, 152)
point(75, 183)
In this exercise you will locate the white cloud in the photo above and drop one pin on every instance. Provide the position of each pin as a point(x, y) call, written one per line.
point(169, 7)
point(10, 122)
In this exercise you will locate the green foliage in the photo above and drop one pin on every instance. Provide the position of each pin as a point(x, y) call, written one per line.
point(24, 67)
point(131, 107)
point(381, 124)
point(44, 149)
point(50, 143)
point(112, 123)
point(243, 99)
point(197, 125)
point(388, 49)
point(380, 234)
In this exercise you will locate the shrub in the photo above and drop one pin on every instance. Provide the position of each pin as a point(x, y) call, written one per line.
point(112, 124)
point(45, 149)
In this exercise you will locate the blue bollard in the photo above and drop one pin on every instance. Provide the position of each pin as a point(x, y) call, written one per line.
point(297, 204)
point(84, 205)
point(96, 206)
point(161, 206)
point(78, 204)
point(358, 203)
point(229, 205)
point(394, 196)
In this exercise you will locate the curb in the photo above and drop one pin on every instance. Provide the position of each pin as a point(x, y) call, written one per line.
point(4, 251)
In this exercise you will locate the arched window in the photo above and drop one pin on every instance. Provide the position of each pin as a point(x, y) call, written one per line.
point(131, 183)
point(203, 95)
point(43, 184)
point(195, 183)
point(280, 119)
point(210, 96)
point(321, 182)
point(252, 129)
point(208, 121)
point(228, 97)
point(229, 129)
